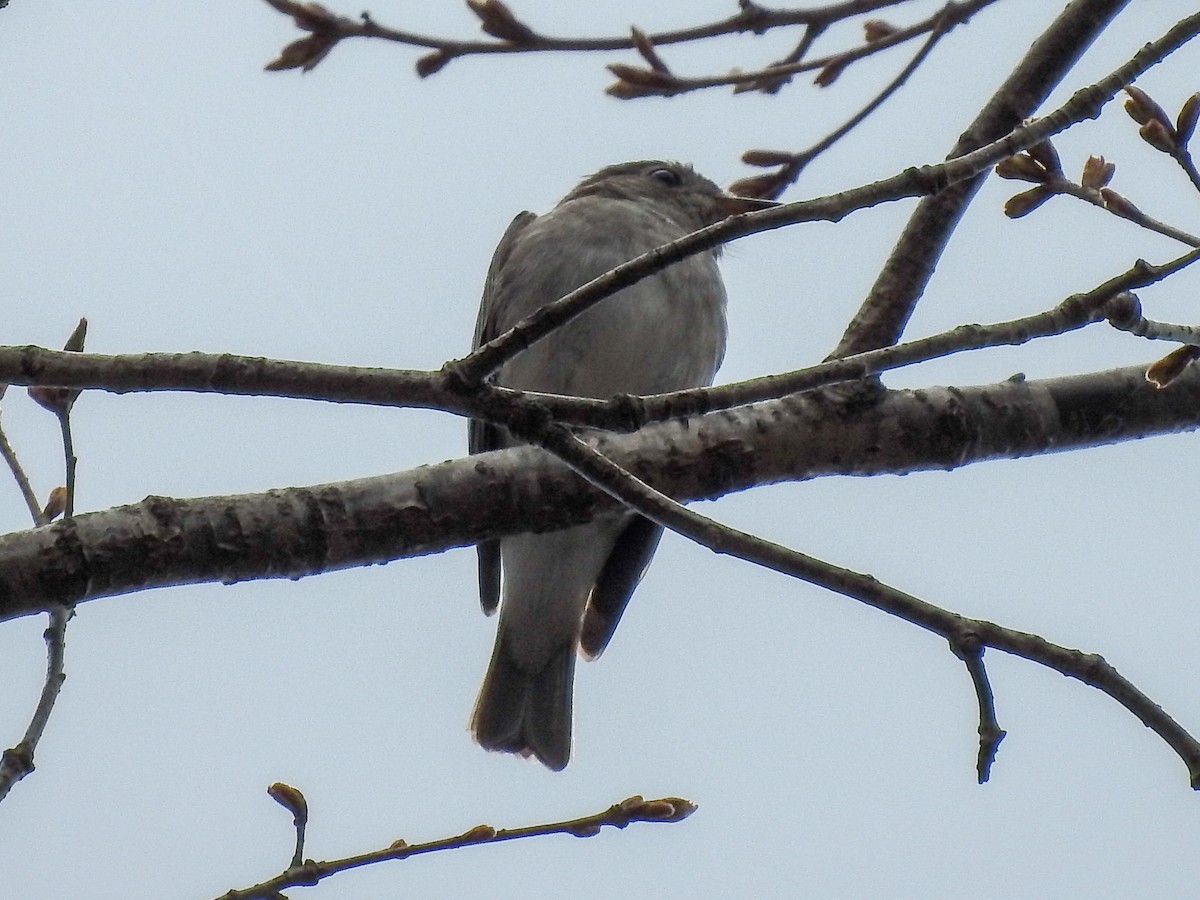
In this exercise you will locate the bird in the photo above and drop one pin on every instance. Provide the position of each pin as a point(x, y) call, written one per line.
point(565, 591)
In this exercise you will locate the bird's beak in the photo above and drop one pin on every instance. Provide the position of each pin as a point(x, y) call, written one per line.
point(733, 205)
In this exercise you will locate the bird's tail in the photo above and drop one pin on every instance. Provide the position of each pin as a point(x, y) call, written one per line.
point(527, 712)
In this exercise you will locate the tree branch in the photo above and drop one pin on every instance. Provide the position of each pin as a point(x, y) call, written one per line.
point(255, 376)
point(17, 762)
point(773, 185)
point(884, 313)
point(633, 82)
point(293, 532)
point(327, 28)
point(619, 815)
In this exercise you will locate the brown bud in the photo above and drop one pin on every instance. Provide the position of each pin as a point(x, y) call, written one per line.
point(312, 16)
point(764, 186)
point(634, 81)
point(767, 83)
point(1185, 122)
point(305, 53)
point(830, 72)
point(56, 504)
point(1117, 203)
point(1171, 366)
point(586, 830)
point(1159, 136)
point(877, 29)
point(1026, 202)
point(1022, 167)
point(645, 47)
point(639, 76)
point(1142, 108)
point(631, 803)
point(290, 799)
point(496, 19)
point(59, 400)
point(480, 833)
point(767, 158)
point(1047, 156)
point(668, 809)
point(398, 844)
point(624, 90)
point(679, 809)
point(432, 62)
point(51, 398)
point(1097, 172)
point(74, 343)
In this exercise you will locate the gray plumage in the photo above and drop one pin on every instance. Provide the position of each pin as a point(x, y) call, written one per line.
point(568, 589)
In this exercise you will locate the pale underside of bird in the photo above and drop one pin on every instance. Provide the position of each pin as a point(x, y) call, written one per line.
point(566, 590)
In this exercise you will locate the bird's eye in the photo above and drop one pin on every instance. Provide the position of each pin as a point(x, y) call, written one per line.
point(669, 177)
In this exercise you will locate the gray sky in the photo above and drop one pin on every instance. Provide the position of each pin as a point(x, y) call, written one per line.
point(158, 182)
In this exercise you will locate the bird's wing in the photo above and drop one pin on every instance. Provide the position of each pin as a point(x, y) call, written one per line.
point(621, 573)
point(482, 436)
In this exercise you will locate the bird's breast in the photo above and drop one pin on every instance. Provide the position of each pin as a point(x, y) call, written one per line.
point(665, 333)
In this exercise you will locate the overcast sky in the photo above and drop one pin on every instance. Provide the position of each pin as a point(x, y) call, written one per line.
point(157, 181)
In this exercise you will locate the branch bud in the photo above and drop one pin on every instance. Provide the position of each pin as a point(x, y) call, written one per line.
point(305, 53)
point(1159, 136)
point(1142, 108)
point(1185, 122)
point(479, 833)
point(60, 400)
point(290, 799)
point(1117, 203)
point(634, 81)
point(877, 29)
point(496, 19)
point(1171, 366)
point(829, 74)
point(1045, 154)
point(767, 158)
point(1097, 172)
point(1022, 167)
point(762, 186)
point(1026, 202)
point(56, 504)
point(431, 63)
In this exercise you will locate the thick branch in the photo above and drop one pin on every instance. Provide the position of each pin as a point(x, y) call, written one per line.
point(300, 531)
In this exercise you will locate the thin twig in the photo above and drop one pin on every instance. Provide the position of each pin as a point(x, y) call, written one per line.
point(990, 732)
point(19, 476)
point(619, 815)
point(17, 762)
point(751, 18)
point(239, 375)
point(790, 172)
point(1125, 210)
point(775, 75)
point(70, 461)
